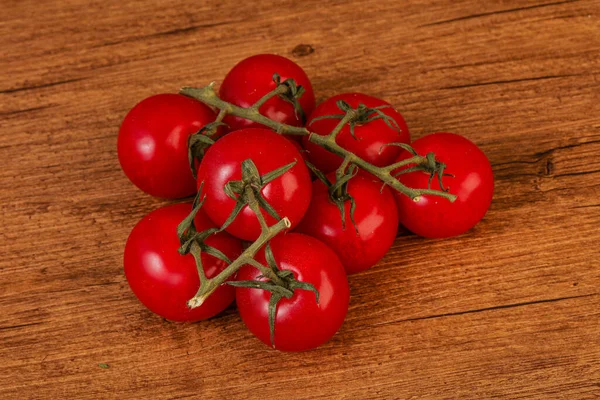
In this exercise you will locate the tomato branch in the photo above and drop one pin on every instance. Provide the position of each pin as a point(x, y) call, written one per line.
point(209, 285)
point(208, 96)
point(246, 191)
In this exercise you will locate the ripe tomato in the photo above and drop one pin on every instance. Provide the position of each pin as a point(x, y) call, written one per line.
point(152, 144)
point(300, 323)
point(472, 182)
point(370, 137)
point(376, 218)
point(288, 194)
point(162, 279)
point(252, 78)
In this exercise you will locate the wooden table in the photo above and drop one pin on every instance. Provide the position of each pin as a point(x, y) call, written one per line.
point(508, 310)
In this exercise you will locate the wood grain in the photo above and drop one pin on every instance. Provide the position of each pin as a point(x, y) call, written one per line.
point(509, 310)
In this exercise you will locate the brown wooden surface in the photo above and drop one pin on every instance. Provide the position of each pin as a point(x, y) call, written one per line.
point(509, 310)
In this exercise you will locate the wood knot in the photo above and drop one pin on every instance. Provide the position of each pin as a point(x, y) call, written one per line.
point(302, 50)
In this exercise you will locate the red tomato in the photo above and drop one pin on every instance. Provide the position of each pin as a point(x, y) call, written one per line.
point(252, 78)
point(288, 194)
point(152, 144)
point(300, 323)
point(370, 137)
point(473, 183)
point(376, 218)
point(162, 279)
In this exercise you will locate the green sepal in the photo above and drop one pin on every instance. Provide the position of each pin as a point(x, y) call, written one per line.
point(352, 210)
point(292, 95)
point(305, 286)
point(239, 205)
point(270, 176)
point(389, 121)
point(362, 115)
point(215, 253)
point(251, 178)
point(333, 116)
point(200, 141)
point(319, 174)
point(233, 188)
point(250, 171)
point(270, 257)
point(196, 237)
point(186, 228)
point(338, 193)
point(343, 106)
point(405, 146)
point(267, 207)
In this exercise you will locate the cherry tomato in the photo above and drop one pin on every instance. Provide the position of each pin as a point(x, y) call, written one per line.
point(288, 194)
point(300, 323)
point(376, 218)
point(472, 182)
point(162, 279)
point(152, 144)
point(370, 137)
point(252, 78)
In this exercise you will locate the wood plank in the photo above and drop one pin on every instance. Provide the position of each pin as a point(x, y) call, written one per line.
point(509, 310)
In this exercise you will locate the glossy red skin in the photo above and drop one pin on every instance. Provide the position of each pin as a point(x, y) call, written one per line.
point(473, 183)
point(376, 217)
point(252, 78)
point(288, 194)
point(162, 279)
point(152, 144)
point(370, 137)
point(300, 323)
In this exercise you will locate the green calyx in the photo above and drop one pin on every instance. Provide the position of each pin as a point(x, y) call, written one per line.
point(200, 141)
point(193, 242)
point(250, 186)
point(361, 115)
point(428, 164)
point(246, 191)
point(284, 287)
point(291, 95)
point(338, 191)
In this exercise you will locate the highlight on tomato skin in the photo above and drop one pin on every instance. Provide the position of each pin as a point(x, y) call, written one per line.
point(162, 279)
point(300, 323)
point(371, 138)
point(362, 243)
point(252, 78)
point(469, 176)
point(153, 143)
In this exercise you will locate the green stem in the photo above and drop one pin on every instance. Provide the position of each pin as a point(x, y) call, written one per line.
point(208, 286)
point(412, 160)
point(338, 175)
point(279, 90)
point(222, 113)
point(196, 252)
point(208, 96)
point(338, 128)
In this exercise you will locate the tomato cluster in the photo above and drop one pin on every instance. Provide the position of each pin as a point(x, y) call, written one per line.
point(290, 198)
